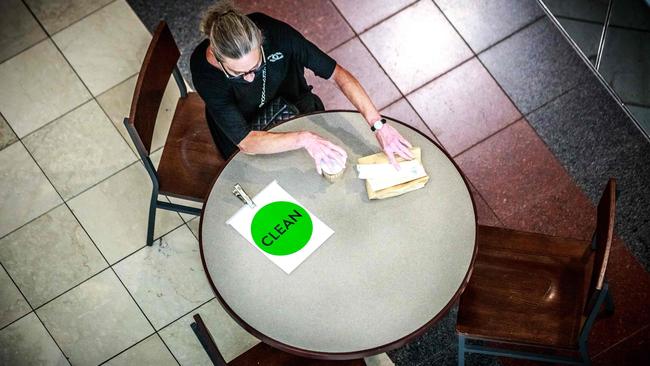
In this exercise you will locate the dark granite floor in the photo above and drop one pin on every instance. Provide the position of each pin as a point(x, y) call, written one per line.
point(625, 64)
point(564, 131)
point(183, 18)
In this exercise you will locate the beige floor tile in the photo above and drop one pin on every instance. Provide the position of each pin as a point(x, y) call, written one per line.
point(26, 342)
point(194, 226)
point(355, 58)
point(34, 91)
point(50, 255)
point(155, 159)
point(166, 280)
point(416, 45)
point(363, 14)
point(116, 211)
point(7, 135)
point(18, 29)
point(25, 193)
point(381, 359)
point(151, 351)
point(401, 111)
point(117, 104)
point(180, 201)
point(231, 339)
point(95, 320)
point(12, 303)
point(79, 149)
point(107, 47)
point(58, 14)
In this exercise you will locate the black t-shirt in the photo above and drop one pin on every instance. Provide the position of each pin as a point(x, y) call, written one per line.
point(231, 105)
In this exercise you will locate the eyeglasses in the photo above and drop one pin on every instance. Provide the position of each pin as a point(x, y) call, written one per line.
point(254, 70)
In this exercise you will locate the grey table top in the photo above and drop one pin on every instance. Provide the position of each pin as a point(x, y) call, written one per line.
point(391, 267)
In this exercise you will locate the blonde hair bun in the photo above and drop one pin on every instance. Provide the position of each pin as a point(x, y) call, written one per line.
point(231, 33)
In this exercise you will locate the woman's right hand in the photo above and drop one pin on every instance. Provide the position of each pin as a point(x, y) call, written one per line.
point(322, 150)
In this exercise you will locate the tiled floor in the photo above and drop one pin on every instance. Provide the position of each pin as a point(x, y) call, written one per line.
point(494, 82)
point(625, 63)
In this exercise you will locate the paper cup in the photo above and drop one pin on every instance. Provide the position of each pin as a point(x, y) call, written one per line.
point(332, 172)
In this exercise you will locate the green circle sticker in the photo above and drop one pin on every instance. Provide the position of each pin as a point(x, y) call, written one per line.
point(281, 228)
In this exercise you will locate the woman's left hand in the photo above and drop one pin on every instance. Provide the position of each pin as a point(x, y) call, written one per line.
point(393, 143)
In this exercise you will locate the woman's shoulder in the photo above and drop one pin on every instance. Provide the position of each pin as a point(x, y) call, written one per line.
point(206, 78)
point(197, 59)
point(268, 24)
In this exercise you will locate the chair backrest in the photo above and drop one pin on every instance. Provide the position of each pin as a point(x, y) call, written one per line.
point(601, 243)
point(157, 67)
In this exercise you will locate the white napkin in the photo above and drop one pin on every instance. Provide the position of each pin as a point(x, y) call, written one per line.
point(381, 176)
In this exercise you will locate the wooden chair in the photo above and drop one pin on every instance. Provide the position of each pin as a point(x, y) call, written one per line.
point(261, 354)
point(539, 293)
point(190, 160)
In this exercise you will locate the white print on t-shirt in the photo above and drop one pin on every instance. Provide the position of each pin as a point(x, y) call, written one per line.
point(276, 56)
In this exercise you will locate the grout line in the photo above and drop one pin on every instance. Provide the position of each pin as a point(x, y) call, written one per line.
point(342, 43)
point(108, 265)
point(475, 55)
point(52, 336)
point(463, 62)
point(156, 239)
point(185, 314)
point(373, 25)
point(21, 294)
point(516, 31)
point(69, 25)
point(187, 223)
point(621, 340)
point(32, 220)
point(86, 101)
point(356, 34)
point(65, 114)
point(134, 301)
point(45, 37)
point(486, 203)
point(71, 288)
point(30, 312)
point(600, 24)
point(402, 95)
point(62, 200)
point(488, 137)
point(524, 118)
point(168, 349)
point(127, 348)
point(93, 97)
point(17, 319)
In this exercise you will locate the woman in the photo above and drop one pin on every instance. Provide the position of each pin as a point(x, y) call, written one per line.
point(249, 60)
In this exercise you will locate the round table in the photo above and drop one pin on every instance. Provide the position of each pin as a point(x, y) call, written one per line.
point(392, 268)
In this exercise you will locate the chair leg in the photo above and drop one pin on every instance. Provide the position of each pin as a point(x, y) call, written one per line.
point(152, 216)
point(461, 350)
point(609, 303)
point(584, 354)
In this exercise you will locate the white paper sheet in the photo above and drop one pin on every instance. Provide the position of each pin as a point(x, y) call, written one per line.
point(242, 219)
point(382, 176)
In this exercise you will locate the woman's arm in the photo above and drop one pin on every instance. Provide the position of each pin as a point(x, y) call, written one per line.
point(321, 150)
point(390, 140)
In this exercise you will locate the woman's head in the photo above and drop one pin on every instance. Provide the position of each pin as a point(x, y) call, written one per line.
point(232, 35)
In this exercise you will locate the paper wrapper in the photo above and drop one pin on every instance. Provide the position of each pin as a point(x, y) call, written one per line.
point(381, 158)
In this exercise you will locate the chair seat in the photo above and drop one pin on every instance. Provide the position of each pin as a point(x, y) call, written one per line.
point(190, 161)
point(526, 288)
point(274, 357)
